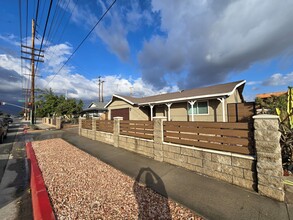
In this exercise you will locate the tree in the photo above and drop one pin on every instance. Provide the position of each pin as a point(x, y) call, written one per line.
point(272, 103)
point(50, 104)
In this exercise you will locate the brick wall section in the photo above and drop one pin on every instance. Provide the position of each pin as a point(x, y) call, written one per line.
point(104, 137)
point(268, 153)
point(138, 145)
point(233, 168)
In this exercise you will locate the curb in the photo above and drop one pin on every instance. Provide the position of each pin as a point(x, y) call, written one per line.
point(42, 208)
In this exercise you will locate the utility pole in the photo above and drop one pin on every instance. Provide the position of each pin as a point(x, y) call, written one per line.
point(33, 73)
point(130, 88)
point(33, 60)
point(99, 83)
point(103, 90)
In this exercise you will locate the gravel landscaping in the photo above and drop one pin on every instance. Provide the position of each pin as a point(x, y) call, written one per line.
point(82, 187)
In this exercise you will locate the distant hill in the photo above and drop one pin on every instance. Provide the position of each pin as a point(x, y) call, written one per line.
point(10, 109)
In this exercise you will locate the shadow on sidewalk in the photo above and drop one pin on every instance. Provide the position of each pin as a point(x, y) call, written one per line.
point(151, 205)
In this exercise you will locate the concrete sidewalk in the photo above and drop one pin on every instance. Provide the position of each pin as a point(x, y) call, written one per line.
point(208, 197)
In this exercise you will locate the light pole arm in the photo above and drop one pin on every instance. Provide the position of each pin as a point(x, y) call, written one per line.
point(7, 103)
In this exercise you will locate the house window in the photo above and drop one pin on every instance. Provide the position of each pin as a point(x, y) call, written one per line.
point(199, 108)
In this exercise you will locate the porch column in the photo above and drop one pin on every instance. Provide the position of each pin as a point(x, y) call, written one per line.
point(192, 104)
point(222, 100)
point(152, 112)
point(169, 110)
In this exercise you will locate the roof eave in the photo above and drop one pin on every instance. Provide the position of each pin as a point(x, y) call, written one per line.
point(196, 97)
point(120, 97)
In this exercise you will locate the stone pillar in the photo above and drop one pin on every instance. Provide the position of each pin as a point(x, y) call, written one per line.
point(94, 128)
point(79, 125)
point(58, 123)
point(116, 130)
point(158, 138)
point(269, 159)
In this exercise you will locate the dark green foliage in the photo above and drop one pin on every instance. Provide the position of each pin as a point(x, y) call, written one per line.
point(273, 102)
point(49, 104)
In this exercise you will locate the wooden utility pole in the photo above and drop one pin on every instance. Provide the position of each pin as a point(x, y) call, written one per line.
point(32, 49)
point(33, 74)
point(99, 83)
point(103, 90)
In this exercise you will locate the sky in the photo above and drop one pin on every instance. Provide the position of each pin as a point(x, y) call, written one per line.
point(147, 47)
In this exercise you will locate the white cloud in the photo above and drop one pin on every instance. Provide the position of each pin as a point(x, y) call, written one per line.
point(55, 56)
point(251, 83)
point(115, 26)
point(210, 39)
point(10, 38)
point(279, 79)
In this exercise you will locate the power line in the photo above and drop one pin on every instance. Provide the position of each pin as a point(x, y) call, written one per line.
point(66, 24)
point(61, 19)
point(44, 32)
point(37, 12)
point(53, 20)
point(101, 18)
point(20, 21)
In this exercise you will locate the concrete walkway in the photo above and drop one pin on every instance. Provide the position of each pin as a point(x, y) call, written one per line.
point(14, 182)
point(208, 197)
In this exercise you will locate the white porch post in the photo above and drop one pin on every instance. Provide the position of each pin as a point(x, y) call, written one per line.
point(152, 113)
point(222, 100)
point(169, 110)
point(192, 104)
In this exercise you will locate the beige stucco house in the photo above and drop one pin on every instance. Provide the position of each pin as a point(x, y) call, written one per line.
point(200, 104)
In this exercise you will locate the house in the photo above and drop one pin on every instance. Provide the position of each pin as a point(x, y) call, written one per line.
point(200, 104)
point(95, 109)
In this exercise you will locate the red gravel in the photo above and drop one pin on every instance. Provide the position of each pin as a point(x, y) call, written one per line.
point(82, 187)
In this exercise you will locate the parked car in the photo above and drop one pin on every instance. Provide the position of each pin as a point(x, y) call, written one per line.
point(8, 120)
point(3, 130)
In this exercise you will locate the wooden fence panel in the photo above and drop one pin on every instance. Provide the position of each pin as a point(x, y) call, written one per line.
point(241, 112)
point(87, 124)
point(106, 126)
point(231, 137)
point(141, 129)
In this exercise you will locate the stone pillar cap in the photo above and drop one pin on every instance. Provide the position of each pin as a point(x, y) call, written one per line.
point(118, 118)
point(265, 116)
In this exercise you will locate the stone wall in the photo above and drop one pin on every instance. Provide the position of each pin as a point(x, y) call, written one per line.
point(104, 137)
point(138, 145)
point(262, 172)
point(237, 169)
point(49, 121)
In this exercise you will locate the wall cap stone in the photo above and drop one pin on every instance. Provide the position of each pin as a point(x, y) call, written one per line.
point(160, 117)
point(118, 118)
point(265, 116)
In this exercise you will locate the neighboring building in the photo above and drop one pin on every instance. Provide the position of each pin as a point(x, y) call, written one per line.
point(200, 104)
point(271, 94)
point(95, 109)
point(265, 97)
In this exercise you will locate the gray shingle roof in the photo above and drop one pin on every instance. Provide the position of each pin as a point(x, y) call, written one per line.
point(197, 93)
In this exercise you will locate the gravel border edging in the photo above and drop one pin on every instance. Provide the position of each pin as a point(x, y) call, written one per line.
point(42, 208)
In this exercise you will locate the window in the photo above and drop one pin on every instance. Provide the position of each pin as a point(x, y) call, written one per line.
point(199, 108)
